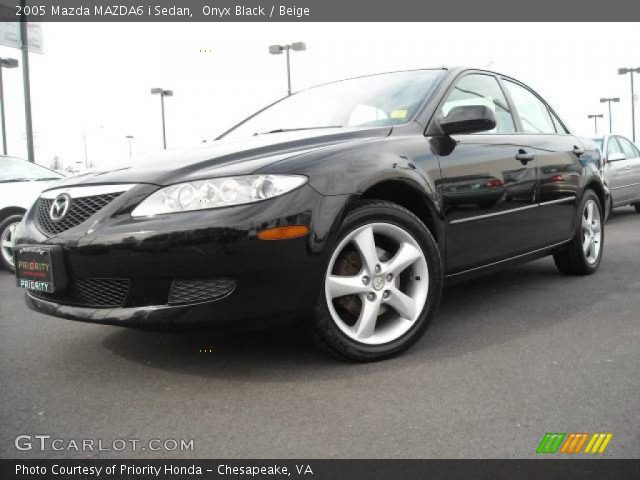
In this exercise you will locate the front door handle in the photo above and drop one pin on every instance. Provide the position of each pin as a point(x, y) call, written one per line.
point(524, 157)
point(577, 151)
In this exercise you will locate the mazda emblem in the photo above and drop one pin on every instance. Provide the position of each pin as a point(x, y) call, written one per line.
point(60, 207)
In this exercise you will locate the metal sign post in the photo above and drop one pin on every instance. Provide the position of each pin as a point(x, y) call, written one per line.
point(26, 36)
point(2, 105)
point(24, 40)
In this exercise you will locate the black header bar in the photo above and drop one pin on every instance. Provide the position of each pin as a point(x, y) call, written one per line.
point(324, 11)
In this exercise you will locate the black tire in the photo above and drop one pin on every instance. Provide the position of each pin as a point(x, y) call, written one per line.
point(571, 259)
point(328, 336)
point(637, 207)
point(4, 224)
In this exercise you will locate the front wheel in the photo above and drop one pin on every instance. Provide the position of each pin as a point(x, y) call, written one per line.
point(382, 284)
point(583, 254)
point(7, 227)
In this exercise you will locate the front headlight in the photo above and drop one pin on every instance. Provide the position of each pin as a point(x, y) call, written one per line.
point(216, 193)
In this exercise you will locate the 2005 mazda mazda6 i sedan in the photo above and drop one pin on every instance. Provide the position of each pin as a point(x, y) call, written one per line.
point(347, 206)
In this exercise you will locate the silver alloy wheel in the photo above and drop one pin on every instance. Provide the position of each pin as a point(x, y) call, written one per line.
point(392, 292)
point(6, 245)
point(591, 232)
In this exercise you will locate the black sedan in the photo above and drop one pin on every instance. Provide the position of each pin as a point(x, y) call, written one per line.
point(347, 206)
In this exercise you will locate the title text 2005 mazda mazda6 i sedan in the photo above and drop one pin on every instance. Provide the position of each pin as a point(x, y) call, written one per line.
point(346, 205)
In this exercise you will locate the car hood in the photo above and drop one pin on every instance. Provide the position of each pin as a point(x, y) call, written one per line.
point(224, 157)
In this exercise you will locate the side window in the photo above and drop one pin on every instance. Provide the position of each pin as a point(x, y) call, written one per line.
point(479, 89)
point(557, 124)
point(613, 146)
point(627, 148)
point(533, 112)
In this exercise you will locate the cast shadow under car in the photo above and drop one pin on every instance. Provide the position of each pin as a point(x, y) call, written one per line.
point(474, 315)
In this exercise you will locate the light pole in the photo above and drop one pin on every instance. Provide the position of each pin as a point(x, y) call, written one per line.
point(130, 138)
point(278, 49)
point(26, 82)
point(86, 157)
point(595, 120)
point(631, 71)
point(163, 93)
point(609, 100)
point(4, 63)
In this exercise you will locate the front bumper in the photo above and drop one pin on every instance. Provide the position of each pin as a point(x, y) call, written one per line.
point(270, 278)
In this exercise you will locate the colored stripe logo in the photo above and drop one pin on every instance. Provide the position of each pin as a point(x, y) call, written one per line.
point(598, 443)
point(550, 442)
point(574, 443)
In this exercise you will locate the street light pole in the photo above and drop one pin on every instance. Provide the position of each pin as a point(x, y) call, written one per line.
point(4, 129)
point(164, 129)
point(288, 71)
point(130, 138)
point(631, 71)
point(4, 63)
point(24, 41)
point(278, 49)
point(595, 120)
point(86, 156)
point(609, 100)
point(163, 93)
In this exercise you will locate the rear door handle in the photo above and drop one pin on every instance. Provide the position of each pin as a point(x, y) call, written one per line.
point(524, 157)
point(577, 151)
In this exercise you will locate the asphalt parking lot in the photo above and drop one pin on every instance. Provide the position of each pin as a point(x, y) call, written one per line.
point(511, 356)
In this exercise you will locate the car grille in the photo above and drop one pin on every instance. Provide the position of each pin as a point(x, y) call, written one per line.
point(90, 292)
point(185, 291)
point(80, 210)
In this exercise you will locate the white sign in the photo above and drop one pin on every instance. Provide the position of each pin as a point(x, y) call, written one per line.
point(10, 35)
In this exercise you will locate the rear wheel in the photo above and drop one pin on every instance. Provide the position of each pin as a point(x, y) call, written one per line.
point(382, 284)
point(583, 254)
point(637, 207)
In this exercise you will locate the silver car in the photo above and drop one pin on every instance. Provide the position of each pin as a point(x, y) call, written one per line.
point(621, 169)
point(20, 185)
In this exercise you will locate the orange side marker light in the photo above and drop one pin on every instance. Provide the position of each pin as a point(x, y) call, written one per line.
point(284, 233)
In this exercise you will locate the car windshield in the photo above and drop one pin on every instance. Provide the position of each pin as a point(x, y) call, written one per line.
point(15, 170)
point(374, 101)
point(598, 142)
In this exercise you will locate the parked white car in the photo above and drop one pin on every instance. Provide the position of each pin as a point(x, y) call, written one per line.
point(20, 185)
point(621, 169)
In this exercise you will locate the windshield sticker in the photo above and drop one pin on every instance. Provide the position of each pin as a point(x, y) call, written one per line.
point(398, 114)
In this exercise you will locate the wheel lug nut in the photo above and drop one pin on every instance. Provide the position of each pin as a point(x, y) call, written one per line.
point(365, 280)
point(371, 296)
point(389, 277)
point(378, 268)
point(386, 294)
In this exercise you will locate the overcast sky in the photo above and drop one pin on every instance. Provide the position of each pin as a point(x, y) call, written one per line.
point(94, 78)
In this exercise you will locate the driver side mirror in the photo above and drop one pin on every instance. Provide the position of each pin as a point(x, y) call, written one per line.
point(468, 119)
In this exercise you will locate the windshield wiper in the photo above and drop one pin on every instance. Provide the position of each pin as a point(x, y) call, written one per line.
point(280, 130)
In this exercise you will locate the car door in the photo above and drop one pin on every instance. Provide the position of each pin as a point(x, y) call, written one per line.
point(488, 182)
point(616, 172)
point(560, 169)
point(631, 170)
